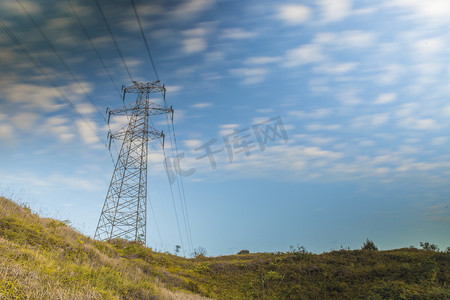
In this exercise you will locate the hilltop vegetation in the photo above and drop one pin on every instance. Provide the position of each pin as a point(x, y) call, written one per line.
point(46, 259)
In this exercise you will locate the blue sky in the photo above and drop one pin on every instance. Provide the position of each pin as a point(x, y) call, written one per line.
point(356, 93)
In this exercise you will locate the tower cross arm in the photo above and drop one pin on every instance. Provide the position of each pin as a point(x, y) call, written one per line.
point(152, 110)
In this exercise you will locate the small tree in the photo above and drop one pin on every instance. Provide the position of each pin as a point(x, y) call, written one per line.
point(369, 245)
point(200, 251)
point(243, 252)
point(177, 249)
point(429, 247)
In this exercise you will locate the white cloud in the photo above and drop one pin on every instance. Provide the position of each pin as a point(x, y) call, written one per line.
point(336, 68)
point(430, 11)
point(380, 119)
point(250, 75)
point(237, 34)
point(194, 32)
point(317, 152)
point(438, 141)
point(406, 110)
point(315, 114)
point(262, 60)
point(328, 127)
point(59, 127)
point(32, 96)
point(193, 143)
point(430, 46)
point(85, 108)
point(390, 74)
point(173, 88)
point(371, 120)
point(191, 8)
point(6, 131)
point(349, 97)
point(316, 140)
point(227, 129)
point(306, 54)
point(346, 39)
point(446, 111)
point(194, 45)
point(419, 124)
point(357, 39)
point(214, 56)
point(294, 14)
point(335, 10)
point(86, 131)
point(12, 7)
point(385, 98)
point(24, 120)
point(201, 105)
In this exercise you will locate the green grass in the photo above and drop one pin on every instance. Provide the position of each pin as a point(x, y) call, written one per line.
point(46, 259)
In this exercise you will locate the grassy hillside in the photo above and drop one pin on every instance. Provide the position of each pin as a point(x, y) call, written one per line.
point(46, 259)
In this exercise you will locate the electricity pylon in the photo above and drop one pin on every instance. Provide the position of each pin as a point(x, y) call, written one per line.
point(124, 213)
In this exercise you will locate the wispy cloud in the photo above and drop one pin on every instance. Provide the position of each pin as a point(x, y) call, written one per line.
point(237, 34)
point(294, 14)
point(24, 120)
point(250, 75)
point(86, 131)
point(335, 10)
point(305, 54)
point(385, 98)
point(202, 105)
point(262, 60)
point(191, 8)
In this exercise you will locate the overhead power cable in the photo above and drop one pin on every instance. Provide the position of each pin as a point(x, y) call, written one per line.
point(113, 38)
point(145, 40)
point(42, 71)
point(182, 193)
point(94, 48)
point(180, 190)
point(173, 202)
point(59, 57)
point(83, 28)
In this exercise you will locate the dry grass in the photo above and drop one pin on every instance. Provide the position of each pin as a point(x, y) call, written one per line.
point(42, 258)
point(46, 259)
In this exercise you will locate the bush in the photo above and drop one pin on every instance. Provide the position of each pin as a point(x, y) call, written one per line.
point(199, 252)
point(429, 247)
point(369, 245)
point(243, 252)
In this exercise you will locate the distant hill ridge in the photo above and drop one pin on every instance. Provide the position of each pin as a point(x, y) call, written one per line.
point(42, 258)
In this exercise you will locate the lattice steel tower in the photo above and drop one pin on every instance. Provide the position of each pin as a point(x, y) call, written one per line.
point(124, 214)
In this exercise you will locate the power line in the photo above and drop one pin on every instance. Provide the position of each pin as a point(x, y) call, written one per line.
point(39, 67)
point(59, 57)
point(93, 47)
point(145, 40)
point(180, 191)
point(114, 39)
point(173, 202)
point(183, 206)
point(183, 199)
point(83, 28)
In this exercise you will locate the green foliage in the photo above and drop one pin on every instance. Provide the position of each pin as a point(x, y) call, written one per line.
point(243, 252)
point(369, 245)
point(429, 247)
point(46, 259)
point(199, 252)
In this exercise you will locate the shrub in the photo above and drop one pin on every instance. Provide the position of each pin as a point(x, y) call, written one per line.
point(243, 252)
point(369, 245)
point(199, 252)
point(429, 247)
